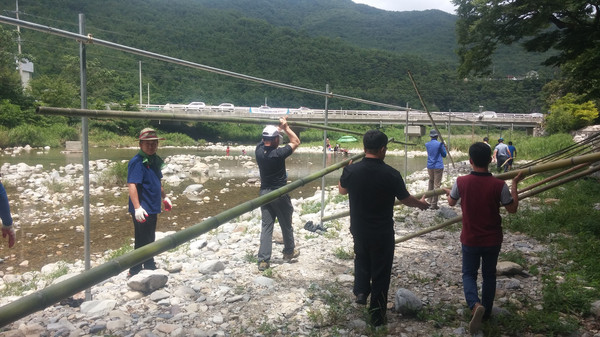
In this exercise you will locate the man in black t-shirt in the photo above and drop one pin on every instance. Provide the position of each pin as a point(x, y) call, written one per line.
point(271, 164)
point(373, 187)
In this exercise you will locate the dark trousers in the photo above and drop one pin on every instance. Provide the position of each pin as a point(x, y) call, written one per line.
point(144, 233)
point(472, 258)
point(373, 258)
point(282, 210)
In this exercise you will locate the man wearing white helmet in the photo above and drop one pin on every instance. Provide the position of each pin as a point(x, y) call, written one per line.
point(270, 158)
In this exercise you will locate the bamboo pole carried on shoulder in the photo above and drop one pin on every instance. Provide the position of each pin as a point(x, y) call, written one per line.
point(521, 196)
point(585, 159)
point(429, 114)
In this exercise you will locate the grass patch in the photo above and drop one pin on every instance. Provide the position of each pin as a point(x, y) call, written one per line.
point(514, 256)
point(571, 231)
point(310, 207)
point(115, 175)
point(343, 254)
point(121, 251)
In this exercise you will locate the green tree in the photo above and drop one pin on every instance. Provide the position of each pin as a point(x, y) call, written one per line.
point(566, 114)
point(10, 83)
point(569, 27)
point(55, 91)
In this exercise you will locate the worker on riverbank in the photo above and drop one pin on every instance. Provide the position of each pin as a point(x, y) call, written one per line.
point(373, 187)
point(7, 222)
point(481, 195)
point(271, 164)
point(145, 194)
point(436, 151)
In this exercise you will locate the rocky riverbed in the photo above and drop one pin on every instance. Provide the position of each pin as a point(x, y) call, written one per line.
point(211, 286)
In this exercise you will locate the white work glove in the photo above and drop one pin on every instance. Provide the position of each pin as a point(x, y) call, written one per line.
point(140, 214)
point(168, 204)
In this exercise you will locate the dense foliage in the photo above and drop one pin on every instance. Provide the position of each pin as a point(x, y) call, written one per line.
point(568, 29)
point(359, 51)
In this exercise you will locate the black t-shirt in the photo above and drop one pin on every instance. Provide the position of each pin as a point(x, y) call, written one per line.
point(373, 187)
point(271, 165)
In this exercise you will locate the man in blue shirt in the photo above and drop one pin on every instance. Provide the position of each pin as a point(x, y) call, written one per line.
point(435, 164)
point(513, 154)
point(7, 221)
point(145, 194)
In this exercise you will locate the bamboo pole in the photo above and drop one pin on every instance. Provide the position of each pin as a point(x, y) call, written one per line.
point(54, 293)
point(560, 174)
point(44, 110)
point(589, 158)
point(429, 114)
point(521, 196)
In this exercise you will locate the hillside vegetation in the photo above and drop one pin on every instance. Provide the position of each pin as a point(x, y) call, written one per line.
point(357, 50)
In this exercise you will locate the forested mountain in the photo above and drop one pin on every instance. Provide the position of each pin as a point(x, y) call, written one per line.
point(358, 50)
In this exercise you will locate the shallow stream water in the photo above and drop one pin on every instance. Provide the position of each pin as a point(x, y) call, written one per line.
point(55, 241)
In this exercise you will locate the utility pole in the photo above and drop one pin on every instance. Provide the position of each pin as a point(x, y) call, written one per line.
point(140, 63)
point(19, 45)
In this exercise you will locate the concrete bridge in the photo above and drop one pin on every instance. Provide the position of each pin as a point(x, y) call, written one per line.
point(412, 118)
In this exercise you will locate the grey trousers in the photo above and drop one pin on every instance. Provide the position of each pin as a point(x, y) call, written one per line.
point(435, 181)
point(282, 209)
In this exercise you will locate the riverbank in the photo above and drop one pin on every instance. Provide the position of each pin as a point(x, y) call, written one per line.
point(214, 288)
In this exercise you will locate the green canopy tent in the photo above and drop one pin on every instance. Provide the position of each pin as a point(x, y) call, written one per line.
point(347, 139)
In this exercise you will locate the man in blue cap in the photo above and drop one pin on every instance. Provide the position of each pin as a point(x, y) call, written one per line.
point(435, 164)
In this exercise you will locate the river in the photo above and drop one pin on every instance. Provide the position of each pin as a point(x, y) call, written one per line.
point(57, 238)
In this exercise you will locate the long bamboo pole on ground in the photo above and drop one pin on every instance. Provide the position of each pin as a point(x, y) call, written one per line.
point(589, 158)
point(54, 293)
point(521, 196)
point(186, 117)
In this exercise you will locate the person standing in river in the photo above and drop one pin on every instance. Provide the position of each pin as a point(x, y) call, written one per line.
point(481, 195)
point(145, 194)
point(436, 151)
point(7, 222)
point(270, 158)
point(373, 187)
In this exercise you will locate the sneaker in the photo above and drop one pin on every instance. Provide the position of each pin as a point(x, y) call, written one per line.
point(292, 255)
point(263, 265)
point(475, 324)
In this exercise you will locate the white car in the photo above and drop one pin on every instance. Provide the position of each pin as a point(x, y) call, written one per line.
point(487, 114)
point(195, 106)
point(226, 107)
point(536, 115)
point(264, 108)
point(304, 110)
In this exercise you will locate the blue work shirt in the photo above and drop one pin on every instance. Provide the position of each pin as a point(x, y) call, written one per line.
point(435, 152)
point(148, 185)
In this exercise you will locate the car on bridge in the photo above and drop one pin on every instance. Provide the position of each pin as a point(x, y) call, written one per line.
point(487, 114)
point(226, 107)
point(195, 106)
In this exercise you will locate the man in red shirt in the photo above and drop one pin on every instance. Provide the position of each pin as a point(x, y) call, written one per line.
point(481, 195)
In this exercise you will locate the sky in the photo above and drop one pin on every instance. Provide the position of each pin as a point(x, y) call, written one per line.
point(410, 5)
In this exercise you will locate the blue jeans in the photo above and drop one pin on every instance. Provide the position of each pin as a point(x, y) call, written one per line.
point(471, 259)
